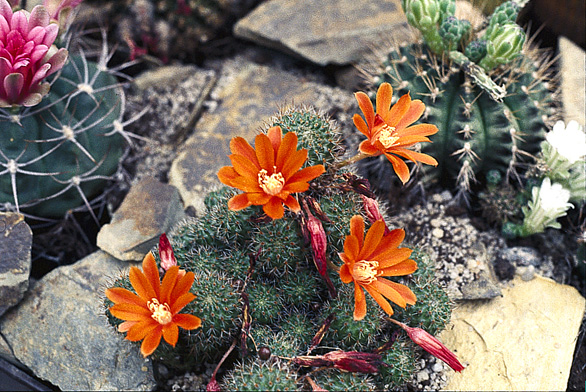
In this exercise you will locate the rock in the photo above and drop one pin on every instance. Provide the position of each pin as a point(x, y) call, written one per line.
point(325, 31)
point(60, 332)
point(573, 66)
point(521, 256)
point(248, 95)
point(149, 209)
point(481, 287)
point(523, 340)
point(16, 240)
point(165, 77)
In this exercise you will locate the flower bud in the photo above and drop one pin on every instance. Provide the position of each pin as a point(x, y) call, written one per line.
point(372, 211)
point(168, 259)
point(319, 244)
point(476, 50)
point(422, 14)
point(503, 14)
point(452, 30)
point(355, 361)
point(503, 45)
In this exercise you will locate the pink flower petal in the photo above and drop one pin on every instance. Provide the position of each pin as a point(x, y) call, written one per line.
point(13, 84)
point(39, 17)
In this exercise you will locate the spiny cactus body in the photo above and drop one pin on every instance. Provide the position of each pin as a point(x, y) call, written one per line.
point(480, 128)
point(58, 155)
point(257, 287)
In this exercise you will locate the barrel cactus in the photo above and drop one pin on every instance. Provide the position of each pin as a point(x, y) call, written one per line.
point(486, 89)
point(62, 132)
point(268, 285)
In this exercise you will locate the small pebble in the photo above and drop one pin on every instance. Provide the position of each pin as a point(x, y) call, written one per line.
point(526, 273)
point(437, 367)
point(423, 375)
point(437, 233)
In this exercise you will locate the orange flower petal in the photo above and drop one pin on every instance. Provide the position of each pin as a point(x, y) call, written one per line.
point(126, 325)
point(288, 145)
point(420, 129)
point(361, 125)
point(180, 303)
point(415, 156)
point(182, 286)
point(150, 270)
point(292, 203)
point(383, 303)
point(359, 302)
point(403, 290)
point(357, 230)
point(246, 184)
point(258, 198)
point(388, 292)
point(171, 333)
point(238, 202)
point(307, 174)
point(413, 114)
point(345, 274)
point(405, 267)
point(141, 329)
point(391, 256)
point(366, 107)
point(367, 148)
point(371, 240)
point(227, 174)
point(384, 95)
point(240, 146)
point(390, 241)
point(129, 312)
point(264, 152)
point(293, 163)
point(141, 284)
point(243, 166)
point(398, 110)
point(275, 134)
point(168, 284)
point(399, 167)
point(408, 141)
point(274, 208)
point(351, 247)
point(151, 342)
point(296, 187)
point(121, 295)
point(187, 321)
point(346, 259)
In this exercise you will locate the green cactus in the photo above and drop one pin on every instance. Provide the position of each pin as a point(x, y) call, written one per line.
point(58, 155)
point(477, 132)
point(257, 287)
point(335, 380)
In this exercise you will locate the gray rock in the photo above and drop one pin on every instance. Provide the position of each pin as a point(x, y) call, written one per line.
point(149, 209)
point(482, 287)
point(573, 64)
point(16, 239)
point(521, 256)
point(325, 31)
point(247, 96)
point(60, 332)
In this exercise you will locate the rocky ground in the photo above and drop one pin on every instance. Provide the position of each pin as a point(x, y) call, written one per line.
point(518, 314)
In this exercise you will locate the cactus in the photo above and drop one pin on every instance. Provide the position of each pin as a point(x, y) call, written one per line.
point(168, 29)
point(490, 100)
point(257, 287)
point(58, 154)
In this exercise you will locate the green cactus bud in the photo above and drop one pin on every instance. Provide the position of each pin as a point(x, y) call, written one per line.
point(502, 45)
point(452, 30)
point(425, 15)
point(476, 50)
point(505, 13)
point(447, 9)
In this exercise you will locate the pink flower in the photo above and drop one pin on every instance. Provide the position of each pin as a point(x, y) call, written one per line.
point(54, 7)
point(26, 56)
point(431, 345)
point(166, 254)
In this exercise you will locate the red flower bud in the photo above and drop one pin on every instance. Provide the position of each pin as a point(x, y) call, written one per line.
point(432, 345)
point(349, 361)
point(168, 259)
point(372, 211)
point(319, 244)
point(213, 386)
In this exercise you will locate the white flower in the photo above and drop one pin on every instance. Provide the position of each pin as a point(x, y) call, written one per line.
point(569, 141)
point(553, 198)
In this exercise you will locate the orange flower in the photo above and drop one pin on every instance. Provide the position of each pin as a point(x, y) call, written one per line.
point(389, 131)
point(269, 173)
point(154, 312)
point(368, 259)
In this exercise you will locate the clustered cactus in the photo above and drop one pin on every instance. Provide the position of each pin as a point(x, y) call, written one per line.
point(268, 288)
point(490, 95)
point(62, 128)
point(169, 29)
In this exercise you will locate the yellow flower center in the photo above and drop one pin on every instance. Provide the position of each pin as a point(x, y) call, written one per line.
point(365, 271)
point(385, 136)
point(271, 185)
point(161, 312)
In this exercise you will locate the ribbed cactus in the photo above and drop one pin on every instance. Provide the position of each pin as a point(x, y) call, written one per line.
point(491, 97)
point(57, 152)
point(258, 291)
point(169, 29)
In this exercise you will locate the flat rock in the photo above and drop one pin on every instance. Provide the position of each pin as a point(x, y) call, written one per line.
point(16, 239)
point(60, 332)
point(523, 340)
point(149, 209)
point(247, 96)
point(573, 68)
point(325, 31)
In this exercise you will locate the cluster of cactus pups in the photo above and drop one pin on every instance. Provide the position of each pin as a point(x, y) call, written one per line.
point(169, 29)
point(258, 293)
point(488, 92)
point(58, 150)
